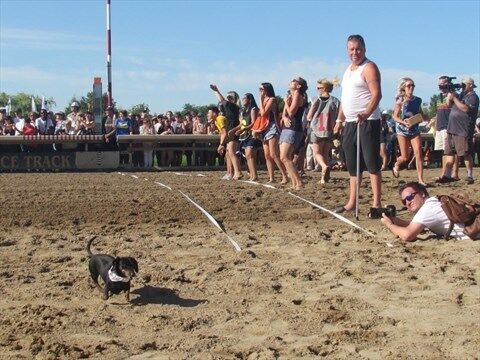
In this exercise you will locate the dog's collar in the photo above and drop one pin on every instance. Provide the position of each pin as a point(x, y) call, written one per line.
point(115, 277)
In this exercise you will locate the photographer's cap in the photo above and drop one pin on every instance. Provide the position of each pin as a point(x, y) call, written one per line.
point(469, 81)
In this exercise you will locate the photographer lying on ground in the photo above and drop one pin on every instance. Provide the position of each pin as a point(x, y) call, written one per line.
point(428, 214)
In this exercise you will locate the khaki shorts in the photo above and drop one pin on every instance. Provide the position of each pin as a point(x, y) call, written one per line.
point(440, 137)
point(459, 145)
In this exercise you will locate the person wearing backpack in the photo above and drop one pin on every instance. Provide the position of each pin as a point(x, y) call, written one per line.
point(445, 215)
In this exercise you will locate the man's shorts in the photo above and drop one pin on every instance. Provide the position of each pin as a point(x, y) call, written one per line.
point(370, 158)
point(440, 137)
point(459, 145)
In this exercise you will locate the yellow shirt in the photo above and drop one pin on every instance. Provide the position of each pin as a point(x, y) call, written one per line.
point(220, 122)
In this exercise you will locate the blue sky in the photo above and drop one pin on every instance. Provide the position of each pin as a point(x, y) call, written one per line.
point(166, 53)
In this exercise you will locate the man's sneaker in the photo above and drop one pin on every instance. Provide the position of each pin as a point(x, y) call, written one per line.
point(469, 180)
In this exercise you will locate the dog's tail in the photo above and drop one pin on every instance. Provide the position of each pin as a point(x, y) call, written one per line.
point(89, 244)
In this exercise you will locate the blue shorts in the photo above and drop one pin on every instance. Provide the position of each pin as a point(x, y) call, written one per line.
point(271, 131)
point(291, 137)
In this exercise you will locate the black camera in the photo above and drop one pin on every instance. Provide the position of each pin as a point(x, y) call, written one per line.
point(450, 86)
point(390, 211)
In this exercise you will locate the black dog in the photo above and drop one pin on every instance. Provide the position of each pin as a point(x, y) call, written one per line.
point(115, 272)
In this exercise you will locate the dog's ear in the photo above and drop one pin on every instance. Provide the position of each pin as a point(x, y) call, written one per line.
point(116, 266)
point(134, 263)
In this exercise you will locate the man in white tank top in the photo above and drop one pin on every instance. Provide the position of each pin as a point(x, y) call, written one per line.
point(361, 94)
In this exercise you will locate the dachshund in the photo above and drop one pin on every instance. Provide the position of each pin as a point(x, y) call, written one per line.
point(116, 273)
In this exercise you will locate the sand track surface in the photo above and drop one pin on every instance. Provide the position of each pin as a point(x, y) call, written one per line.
point(304, 285)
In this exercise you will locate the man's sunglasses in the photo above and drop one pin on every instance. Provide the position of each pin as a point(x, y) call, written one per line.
point(409, 198)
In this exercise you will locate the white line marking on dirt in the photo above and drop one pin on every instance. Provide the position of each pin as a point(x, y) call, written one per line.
point(340, 217)
point(182, 174)
point(269, 186)
point(250, 182)
point(165, 186)
point(212, 219)
point(134, 176)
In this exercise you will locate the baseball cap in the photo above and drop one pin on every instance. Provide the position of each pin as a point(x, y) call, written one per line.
point(74, 104)
point(469, 81)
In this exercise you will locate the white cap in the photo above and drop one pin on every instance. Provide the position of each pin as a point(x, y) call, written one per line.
point(75, 104)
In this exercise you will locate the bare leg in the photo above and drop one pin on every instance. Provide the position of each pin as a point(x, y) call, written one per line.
point(232, 148)
point(286, 154)
point(403, 144)
point(417, 150)
point(269, 162)
point(252, 167)
point(376, 181)
point(274, 153)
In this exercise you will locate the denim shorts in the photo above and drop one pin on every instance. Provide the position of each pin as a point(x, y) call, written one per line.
point(291, 137)
point(270, 132)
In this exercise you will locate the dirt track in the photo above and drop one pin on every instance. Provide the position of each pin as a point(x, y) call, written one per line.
point(304, 284)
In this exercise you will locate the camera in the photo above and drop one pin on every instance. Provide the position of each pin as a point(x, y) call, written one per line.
point(450, 86)
point(389, 211)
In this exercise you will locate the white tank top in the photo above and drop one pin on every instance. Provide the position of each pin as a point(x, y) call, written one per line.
point(355, 94)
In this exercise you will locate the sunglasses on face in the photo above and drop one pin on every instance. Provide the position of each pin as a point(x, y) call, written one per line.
point(410, 86)
point(409, 198)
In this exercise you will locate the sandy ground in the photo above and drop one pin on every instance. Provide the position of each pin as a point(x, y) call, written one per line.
point(305, 284)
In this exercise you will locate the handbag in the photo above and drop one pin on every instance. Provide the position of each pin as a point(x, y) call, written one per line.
point(261, 123)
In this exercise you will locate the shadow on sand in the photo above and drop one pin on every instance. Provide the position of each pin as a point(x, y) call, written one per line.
point(155, 295)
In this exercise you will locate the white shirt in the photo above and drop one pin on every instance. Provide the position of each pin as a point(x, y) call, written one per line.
point(19, 123)
point(43, 125)
point(356, 95)
point(432, 216)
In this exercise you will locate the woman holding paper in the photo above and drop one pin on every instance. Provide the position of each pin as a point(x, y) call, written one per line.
point(408, 114)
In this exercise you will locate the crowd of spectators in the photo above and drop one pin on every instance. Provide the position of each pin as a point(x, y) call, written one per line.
point(317, 149)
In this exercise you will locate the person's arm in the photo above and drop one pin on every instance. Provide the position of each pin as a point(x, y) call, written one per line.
point(269, 104)
point(405, 230)
point(340, 120)
point(253, 116)
point(223, 138)
point(217, 92)
point(291, 106)
point(463, 106)
point(371, 75)
point(396, 114)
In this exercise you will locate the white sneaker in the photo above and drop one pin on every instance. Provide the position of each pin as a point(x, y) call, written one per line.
point(227, 177)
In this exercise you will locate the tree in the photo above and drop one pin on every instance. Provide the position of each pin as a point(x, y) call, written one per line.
point(24, 101)
point(137, 109)
point(432, 109)
point(86, 103)
point(202, 109)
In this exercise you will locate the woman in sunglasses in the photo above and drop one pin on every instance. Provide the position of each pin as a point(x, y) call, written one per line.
point(406, 106)
point(428, 214)
point(322, 116)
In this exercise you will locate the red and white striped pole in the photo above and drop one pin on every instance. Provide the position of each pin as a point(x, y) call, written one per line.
point(109, 55)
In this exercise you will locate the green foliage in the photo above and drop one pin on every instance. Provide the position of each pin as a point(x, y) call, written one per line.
point(432, 109)
point(86, 103)
point(24, 101)
point(280, 103)
point(198, 109)
point(137, 109)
